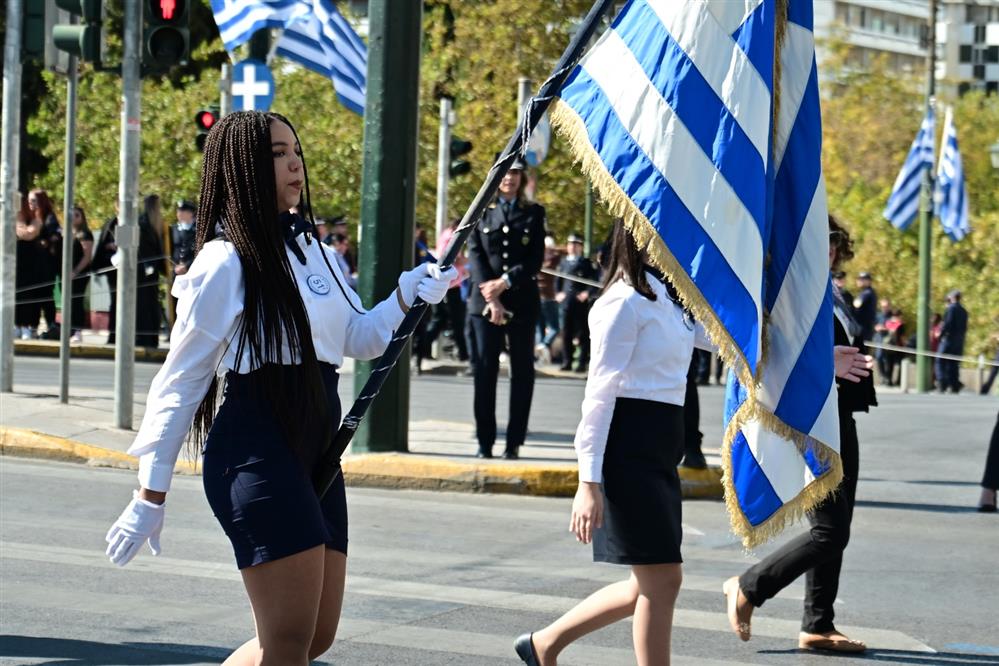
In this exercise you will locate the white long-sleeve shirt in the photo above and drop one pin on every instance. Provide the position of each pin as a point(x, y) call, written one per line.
point(205, 338)
point(638, 349)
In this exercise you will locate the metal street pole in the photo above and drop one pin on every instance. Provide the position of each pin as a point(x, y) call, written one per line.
point(523, 94)
point(9, 200)
point(923, 383)
point(588, 219)
point(66, 329)
point(443, 164)
point(225, 88)
point(126, 236)
point(388, 195)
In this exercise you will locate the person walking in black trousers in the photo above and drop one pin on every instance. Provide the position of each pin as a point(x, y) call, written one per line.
point(990, 480)
point(819, 553)
point(504, 256)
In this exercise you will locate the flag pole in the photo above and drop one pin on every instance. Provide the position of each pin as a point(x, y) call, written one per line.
point(329, 467)
point(923, 383)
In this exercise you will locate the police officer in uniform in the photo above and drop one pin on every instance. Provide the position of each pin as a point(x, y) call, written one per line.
point(575, 298)
point(505, 253)
point(182, 237)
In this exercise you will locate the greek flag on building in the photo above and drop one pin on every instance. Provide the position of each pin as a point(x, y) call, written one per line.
point(903, 204)
point(711, 154)
point(951, 198)
point(315, 36)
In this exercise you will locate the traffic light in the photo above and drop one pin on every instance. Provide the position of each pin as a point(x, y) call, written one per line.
point(82, 40)
point(33, 31)
point(204, 119)
point(459, 147)
point(165, 35)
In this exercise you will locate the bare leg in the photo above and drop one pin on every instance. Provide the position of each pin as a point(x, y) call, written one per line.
point(658, 586)
point(330, 604)
point(285, 597)
point(605, 606)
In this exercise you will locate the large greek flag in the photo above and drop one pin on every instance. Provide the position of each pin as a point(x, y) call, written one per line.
point(903, 203)
point(711, 153)
point(951, 199)
point(315, 36)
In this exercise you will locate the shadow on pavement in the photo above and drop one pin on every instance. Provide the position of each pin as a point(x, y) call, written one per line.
point(73, 652)
point(903, 657)
point(913, 506)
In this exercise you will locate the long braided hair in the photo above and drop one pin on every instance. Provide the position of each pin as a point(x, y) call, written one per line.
point(238, 191)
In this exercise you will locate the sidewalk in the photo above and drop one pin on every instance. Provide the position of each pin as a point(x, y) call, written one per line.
point(34, 423)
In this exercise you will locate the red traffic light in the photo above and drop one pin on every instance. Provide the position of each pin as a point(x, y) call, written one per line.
point(164, 11)
point(205, 119)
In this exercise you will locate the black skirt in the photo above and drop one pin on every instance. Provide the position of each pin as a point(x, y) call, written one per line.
point(641, 486)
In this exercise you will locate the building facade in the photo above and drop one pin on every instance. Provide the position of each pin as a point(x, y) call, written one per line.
point(968, 43)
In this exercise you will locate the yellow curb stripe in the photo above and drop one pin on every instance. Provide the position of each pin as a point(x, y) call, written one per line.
point(76, 350)
point(381, 470)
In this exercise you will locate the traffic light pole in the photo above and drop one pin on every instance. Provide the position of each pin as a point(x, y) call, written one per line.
point(126, 236)
point(66, 330)
point(388, 196)
point(923, 380)
point(443, 164)
point(9, 200)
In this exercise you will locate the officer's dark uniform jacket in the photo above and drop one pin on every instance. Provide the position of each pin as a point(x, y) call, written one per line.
point(580, 267)
point(510, 244)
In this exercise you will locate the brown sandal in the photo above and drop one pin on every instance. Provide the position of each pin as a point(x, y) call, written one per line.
point(738, 621)
point(832, 641)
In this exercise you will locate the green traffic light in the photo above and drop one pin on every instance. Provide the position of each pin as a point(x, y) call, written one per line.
point(83, 41)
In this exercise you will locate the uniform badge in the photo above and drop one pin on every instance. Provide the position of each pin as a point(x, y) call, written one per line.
point(318, 284)
point(506, 228)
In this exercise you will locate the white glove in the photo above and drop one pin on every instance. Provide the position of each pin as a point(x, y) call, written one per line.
point(427, 282)
point(139, 521)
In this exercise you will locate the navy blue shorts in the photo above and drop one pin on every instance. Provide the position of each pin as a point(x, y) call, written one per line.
point(258, 487)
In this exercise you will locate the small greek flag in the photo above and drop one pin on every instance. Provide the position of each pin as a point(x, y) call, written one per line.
point(315, 35)
point(903, 204)
point(712, 155)
point(951, 198)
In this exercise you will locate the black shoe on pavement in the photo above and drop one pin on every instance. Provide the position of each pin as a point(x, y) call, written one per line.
point(694, 461)
point(524, 647)
point(511, 454)
point(482, 453)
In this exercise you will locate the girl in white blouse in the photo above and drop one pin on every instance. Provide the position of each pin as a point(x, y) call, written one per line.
point(264, 307)
point(628, 442)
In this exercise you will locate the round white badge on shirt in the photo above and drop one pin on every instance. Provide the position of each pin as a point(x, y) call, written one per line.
point(318, 284)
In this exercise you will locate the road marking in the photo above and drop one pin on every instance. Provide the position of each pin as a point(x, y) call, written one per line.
point(455, 594)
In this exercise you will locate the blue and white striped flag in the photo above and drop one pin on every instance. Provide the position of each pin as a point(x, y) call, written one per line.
point(903, 204)
point(951, 198)
point(712, 157)
point(315, 36)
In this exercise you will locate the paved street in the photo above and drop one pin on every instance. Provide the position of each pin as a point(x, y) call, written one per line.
point(438, 578)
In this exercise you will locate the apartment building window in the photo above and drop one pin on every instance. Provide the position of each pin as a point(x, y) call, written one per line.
point(992, 87)
point(978, 72)
point(964, 54)
point(877, 21)
point(992, 54)
point(979, 34)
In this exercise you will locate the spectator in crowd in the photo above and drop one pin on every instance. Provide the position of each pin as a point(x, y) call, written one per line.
point(839, 279)
point(990, 480)
point(49, 242)
point(994, 369)
point(83, 250)
point(152, 265)
point(107, 247)
point(894, 334)
point(952, 332)
point(338, 225)
point(30, 273)
point(880, 334)
point(576, 297)
point(449, 314)
point(505, 252)
point(340, 243)
point(693, 456)
point(548, 321)
point(421, 255)
point(182, 237)
point(865, 306)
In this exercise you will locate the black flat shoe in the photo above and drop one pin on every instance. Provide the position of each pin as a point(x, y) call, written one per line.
point(987, 508)
point(524, 647)
point(483, 454)
point(511, 455)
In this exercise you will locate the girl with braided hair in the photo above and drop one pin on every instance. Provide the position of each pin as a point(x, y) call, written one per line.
point(262, 312)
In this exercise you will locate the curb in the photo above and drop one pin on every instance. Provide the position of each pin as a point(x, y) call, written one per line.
point(78, 350)
point(377, 470)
